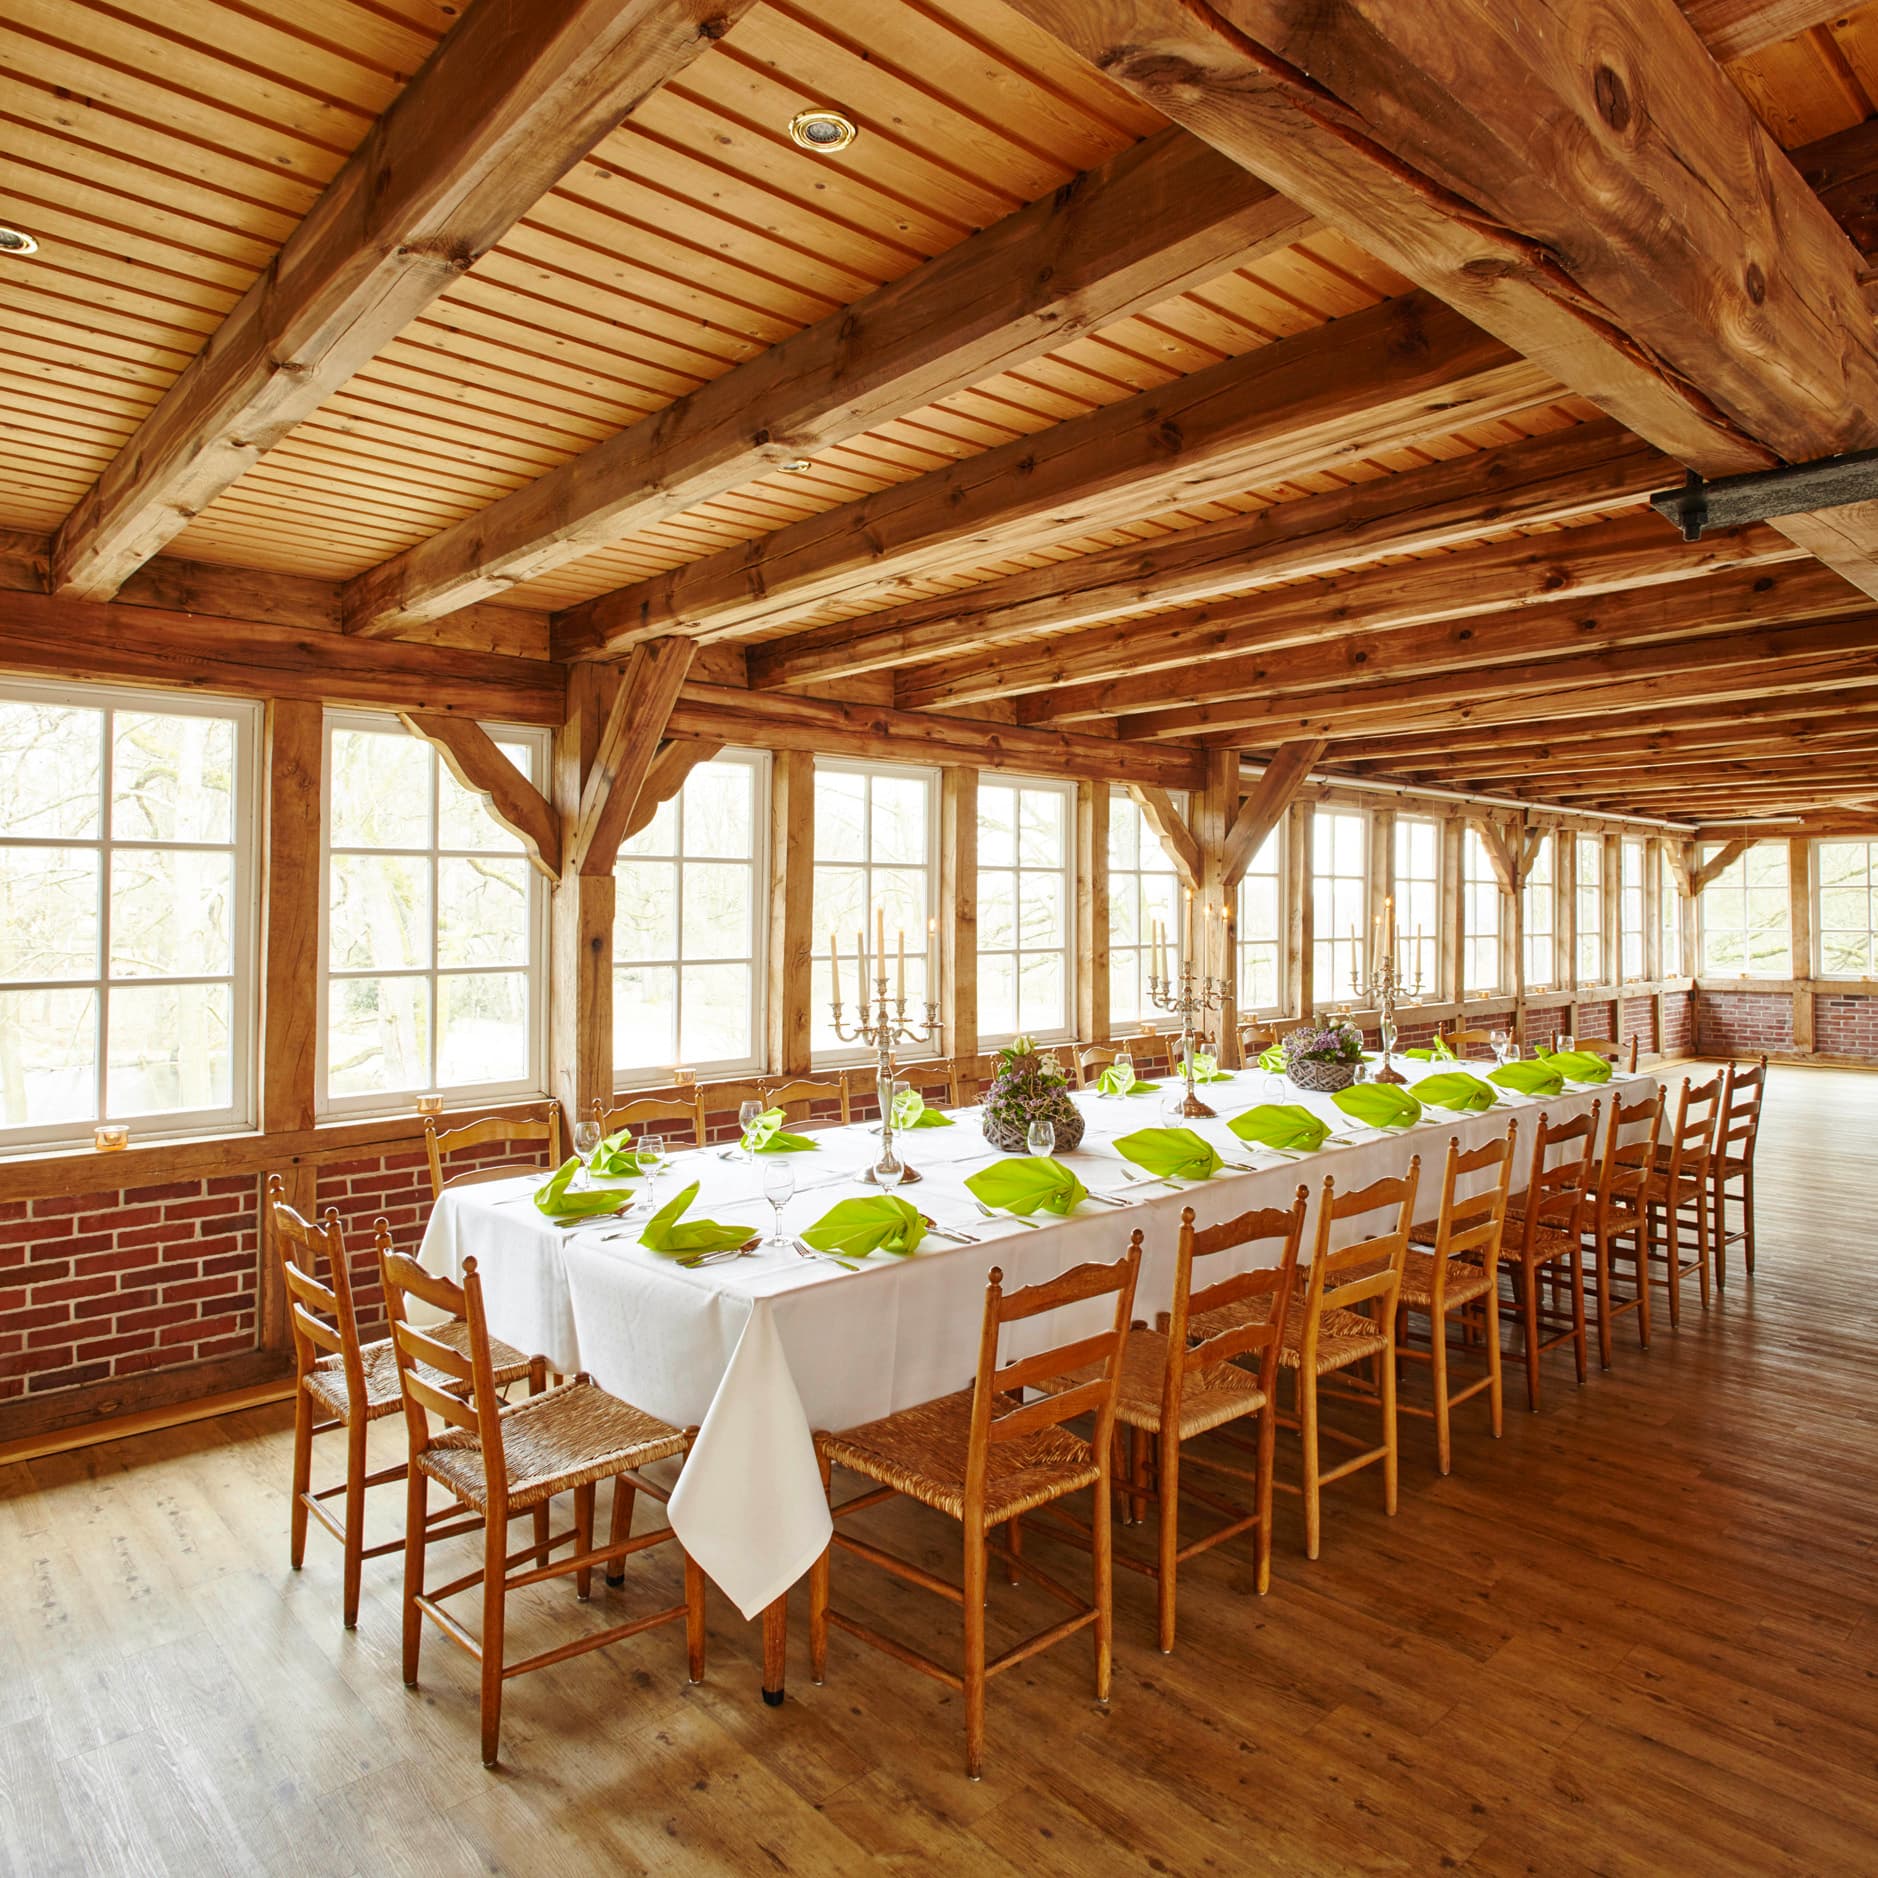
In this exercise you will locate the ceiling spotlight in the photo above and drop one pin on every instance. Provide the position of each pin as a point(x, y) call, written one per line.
point(823, 130)
point(17, 241)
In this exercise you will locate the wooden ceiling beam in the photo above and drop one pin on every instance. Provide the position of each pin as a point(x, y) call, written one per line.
point(1551, 478)
point(1402, 370)
point(1731, 29)
point(1486, 605)
point(1585, 182)
point(627, 751)
point(1169, 827)
point(1162, 217)
point(499, 113)
point(483, 767)
point(1488, 773)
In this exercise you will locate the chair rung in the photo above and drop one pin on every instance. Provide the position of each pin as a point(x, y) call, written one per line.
point(1023, 1652)
point(899, 1567)
point(450, 1627)
point(898, 1651)
point(1354, 1464)
point(579, 1646)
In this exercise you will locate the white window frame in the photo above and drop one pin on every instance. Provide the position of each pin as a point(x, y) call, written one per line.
point(1819, 930)
point(1704, 855)
point(1480, 885)
point(1630, 892)
point(243, 976)
point(1338, 992)
point(846, 1055)
point(1277, 845)
point(390, 1101)
point(1183, 900)
point(758, 761)
point(1594, 844)
point(1408, 951)
point(1065, 792)
point(1542, 894)
point(1672, 910)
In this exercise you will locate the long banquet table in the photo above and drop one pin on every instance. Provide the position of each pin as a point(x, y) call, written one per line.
point(757, 1352)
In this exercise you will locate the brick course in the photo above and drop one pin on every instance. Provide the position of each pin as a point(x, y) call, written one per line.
point(1743, 1023)
point(1845, 1025)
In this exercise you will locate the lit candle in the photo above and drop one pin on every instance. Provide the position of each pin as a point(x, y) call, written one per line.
point(1388, 909)
point(110, 1137)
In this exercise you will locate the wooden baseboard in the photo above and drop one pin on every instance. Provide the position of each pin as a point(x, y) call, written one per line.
point(103, 1412)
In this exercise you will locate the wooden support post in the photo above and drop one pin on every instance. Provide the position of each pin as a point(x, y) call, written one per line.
point(581, 982)
point(958, 907)
point(1449, 974)
point(1655, 966)
point(624, 754)
point(792, 906)
point(1800, 899)
point(1092, 912)
point(1300, 920)
point(1216, 903)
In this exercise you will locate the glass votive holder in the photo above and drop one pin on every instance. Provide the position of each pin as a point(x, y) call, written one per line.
point(109, 1137)
point(683, 1078)
point(430, 1105)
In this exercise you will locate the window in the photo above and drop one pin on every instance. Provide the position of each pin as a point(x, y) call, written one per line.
point(1480, 917)
point(126, 932)
point(434, 927)
point(1630, 909)
point(1669, 905)
point(689, 969)
point(1026, 960)
point(1262, 928)
point(876, 861)
point(1540, 949)
point(1589, 850)
point(1418, 905)
point(1848, 908)
point(1143, 888)
point(1745, 923)
point(1339, 897)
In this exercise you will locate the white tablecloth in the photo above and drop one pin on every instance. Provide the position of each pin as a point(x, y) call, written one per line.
point(759, 1351)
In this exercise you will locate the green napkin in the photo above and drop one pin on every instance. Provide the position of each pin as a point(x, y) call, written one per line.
point(1437, 1053)
point(1205, 1068)
point(1170, 1152)
point(1273, 1058)
point(1379, 1104)
point(1579, 1065)
point(557, 1202)
point(663, 1233)
point(1028, 1183)
point(1115, 1081)
point(615, 1155)
point(1456, 1089)
point(1529, 1078)
point(765, 1135)
point(1281, 1125)
point(881, 1222)
point(910, 1111)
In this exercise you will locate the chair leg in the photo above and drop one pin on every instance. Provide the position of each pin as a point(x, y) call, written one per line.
point(1702, 1239)
point(1603, 1276)
point(495, 1594)
point(542, 1516)
point(620, 1527)
point(537, 1374)
point(1169, 1563)
point(1529, 1322)
point(1747, 1216)
point(1137, 1476)
point(1718, 1205)
point(818, 1599)
point(694, 1619)
point(302, 1477)
point(1672, 1240)
point(1102, 1569)
point(355, 1517)
point(1496, 1382)
point(1643, 1294)
point(1391, 1456)
point(1262, 1490)
point(416, 1533)
point(974, 1589)
point(583, 1539)
point(1438, 1370)
point(1578, 1309)
point(1014, 1538)
point(1313, 1487)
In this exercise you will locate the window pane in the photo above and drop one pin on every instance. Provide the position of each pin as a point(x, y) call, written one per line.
point(172, 914)
point(377, 1035)
point(718, 913)
point(997, 826)
point(48, 913)
point(482, 1028)
point(660, 835)
point(718, 1008)
point(720, 811)
point(997, 911)
point(841, 906)
point(464, 820)
point(1043, 918)
point(172, 778)
point(900, 893)
point(1040, 999)
point(645, 1017)
point(1042, 837)
point(48, 1057)
point(380, 788)
point(52, 758)
point(482, 912)
point(646, 911)
point(379, 913)
point(840, 815)
point(997, 994)
point(899, 819)
point(169, 1049)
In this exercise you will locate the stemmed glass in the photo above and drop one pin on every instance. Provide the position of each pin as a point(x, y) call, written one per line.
point(651, 1150)
point(1501, 1040)
point(1040, 1138)
point(1124, 1065)
point(1563, 1041)
point(779, 1188)
point(586, 1139)
point(747, 1112)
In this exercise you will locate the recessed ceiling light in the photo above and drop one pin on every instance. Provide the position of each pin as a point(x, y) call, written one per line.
point(17, 241)
point(796, 465)
point(823, 130)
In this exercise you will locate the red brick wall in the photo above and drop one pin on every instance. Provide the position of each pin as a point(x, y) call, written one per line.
point(1640, 1022)
point(1678, 1021)
point(1743, 1023)
point(1845, 1025)
point(1595, 1019)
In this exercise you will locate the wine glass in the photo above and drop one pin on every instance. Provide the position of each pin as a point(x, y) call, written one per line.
point(651, 1159)
point(1500, 1040)
point(1563, 1041)
point(747, 1112)
point(586, 1140)
point(779, 1188)
point(1124, 1067)
point(1040, 1138)
point(889, 1171)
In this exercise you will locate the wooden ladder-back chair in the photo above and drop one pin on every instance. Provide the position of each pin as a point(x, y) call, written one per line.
point(1333, 1332)
point(1676, 1194)
point(972, 1076)
point(639, 1111)
point(496, 1461)
point(510, 1130)
point(1461, 1041)
point(1544, 1241)
point(1458, 1273)
point(1737, 1128)
point(1254, 1041)
point(1619, 1055)
point(796, 1096)
point(1091, 1059)
point(1616, 1215)
point(985, 1457)
point(342, 1383)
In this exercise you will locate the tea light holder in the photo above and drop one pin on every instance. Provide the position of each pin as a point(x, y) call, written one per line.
point(110, 1137)
point(683, 1078)
point(430, 1105)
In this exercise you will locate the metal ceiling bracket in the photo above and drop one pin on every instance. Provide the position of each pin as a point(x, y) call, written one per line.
point(1832, 482)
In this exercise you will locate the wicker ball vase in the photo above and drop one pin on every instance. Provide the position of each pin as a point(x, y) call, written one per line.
point(1325, 1078)
point(1027, 1089)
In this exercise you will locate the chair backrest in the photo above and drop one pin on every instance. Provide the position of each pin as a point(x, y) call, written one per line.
point(1564, 1176)
point(1623, 1054)
point(803, 1092)
point(1255, 1040)
point(932, 1078)
point(636, 1113)
point(1461, 1041)
point(1739, 1123)
point(1094, 1057)
point(1469, 1225)
point(992, 1421)
point(510, 1130)
point(473, 1403)
point(319, 1310)
point(1692, 1136)
point(1626, 1167)
point(972, 1076)
point(1279, 1228)
point(1369, 1270)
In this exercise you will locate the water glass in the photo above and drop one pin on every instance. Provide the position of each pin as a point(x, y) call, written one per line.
point(1500, 1041)
point(1563, 1041)
point(779, 1188)
point(651, 1149)
point(586, 1140)
point(1040, 1138)
point(888, 1172)
point(1124, 1067)
point(747, 1112)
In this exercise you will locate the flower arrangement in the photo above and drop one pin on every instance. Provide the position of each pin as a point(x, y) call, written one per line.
point(1323, 1056)
point(1029, 1087)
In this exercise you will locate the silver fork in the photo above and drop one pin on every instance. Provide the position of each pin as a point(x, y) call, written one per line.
point(1016, 1218)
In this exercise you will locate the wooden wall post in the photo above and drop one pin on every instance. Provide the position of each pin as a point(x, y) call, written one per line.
point(958, 907)
point(580, 1051)
point(1565, 909)
point(1611, 857)
point(1218, 903)
point(1653, 960)
point(1800, 896)
point(1381, 869)
point(1300, 920)
point(791, 910)
point(1450, 975)
point(1092, 912)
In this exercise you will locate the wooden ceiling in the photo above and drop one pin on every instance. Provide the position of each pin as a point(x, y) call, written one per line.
point(1120, 379)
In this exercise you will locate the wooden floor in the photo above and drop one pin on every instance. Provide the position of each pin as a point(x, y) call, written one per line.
point(1640, 1634)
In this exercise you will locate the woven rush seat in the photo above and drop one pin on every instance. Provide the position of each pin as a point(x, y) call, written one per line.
point(561, 1439)
point(921, 1452)
point(1549, 1242)
point(1343, 1337)
point(1211, 1398)
point(325, 1382)
point(1466, 1281)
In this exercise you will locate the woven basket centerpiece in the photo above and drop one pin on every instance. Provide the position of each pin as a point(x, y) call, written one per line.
point(1029, 1087)
point(1323, 1057)
point(1323, 1077)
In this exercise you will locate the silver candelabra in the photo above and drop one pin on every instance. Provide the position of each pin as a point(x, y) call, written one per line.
point(1381, 992)
point(1189, 998)
point(887, 1029)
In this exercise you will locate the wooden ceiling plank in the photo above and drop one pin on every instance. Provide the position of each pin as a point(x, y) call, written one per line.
point(1584, 182)
point(504, 107)
point(1732, 29)
point(484, 768)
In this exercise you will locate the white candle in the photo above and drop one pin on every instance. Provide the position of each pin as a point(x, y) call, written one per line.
point(932, 959)
point(901, 993)
point(880, 947)
point(860, 970)
point(834, 970)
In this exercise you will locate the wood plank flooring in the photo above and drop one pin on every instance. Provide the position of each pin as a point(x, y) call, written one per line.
point(1639, 1634)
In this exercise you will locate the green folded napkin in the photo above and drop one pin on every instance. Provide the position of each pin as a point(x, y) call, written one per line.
point(1456, 1089)
point(910, 1111)
point(1117, 1081)
point(1281, 1125)
point(1529, 1078)
point(1579, 1065)
point(555, 1200)
point(1438, 1052)
point(615, 1155)
point(766, 1135)
point(1272, 1058)
point(1379, 1104)
point(1176, 1153)
point(1205, 1068)
point(1028, 1183)
point(664, 1233)
point(881, 1222)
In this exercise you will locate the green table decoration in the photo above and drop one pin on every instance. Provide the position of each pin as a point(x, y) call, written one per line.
point(1579, 1065)
point(1379, 1105)
point(766, 1135)
point(669, 1232)
point(882, 1222)
point(1456, 1089)
point(1285, 1125)
point(1170, 1153)
point(1031, 1183)
point(1528, 1078)
point(559, 1201)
